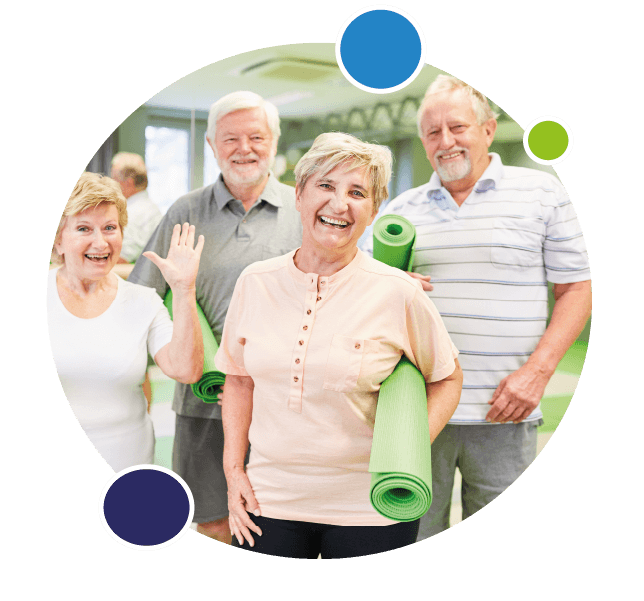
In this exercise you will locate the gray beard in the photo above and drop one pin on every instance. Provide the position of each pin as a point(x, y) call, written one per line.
point(454, 172)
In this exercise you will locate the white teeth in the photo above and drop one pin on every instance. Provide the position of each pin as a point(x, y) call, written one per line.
point(450, 156)
point(97, 256)
point(330, 221)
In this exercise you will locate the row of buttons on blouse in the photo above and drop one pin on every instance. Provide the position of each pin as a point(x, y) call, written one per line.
point(301, 342)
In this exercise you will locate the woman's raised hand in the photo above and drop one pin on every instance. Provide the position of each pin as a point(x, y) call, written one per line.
point(182, 263)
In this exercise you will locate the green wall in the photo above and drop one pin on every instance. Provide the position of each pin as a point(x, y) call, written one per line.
point(131, 133)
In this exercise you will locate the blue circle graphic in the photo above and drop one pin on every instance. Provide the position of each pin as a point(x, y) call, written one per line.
point(380, 49)
point(146, 507)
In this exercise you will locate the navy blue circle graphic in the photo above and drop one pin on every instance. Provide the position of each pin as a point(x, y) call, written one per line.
point(146, 507)
point(380, 49)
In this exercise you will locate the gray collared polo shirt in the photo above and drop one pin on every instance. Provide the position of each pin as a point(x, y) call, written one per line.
point(234, 239)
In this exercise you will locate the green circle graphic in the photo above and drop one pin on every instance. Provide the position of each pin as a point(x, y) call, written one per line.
point(548, 140)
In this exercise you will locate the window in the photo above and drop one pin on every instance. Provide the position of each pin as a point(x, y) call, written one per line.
point(167, 159)
point(211, 170)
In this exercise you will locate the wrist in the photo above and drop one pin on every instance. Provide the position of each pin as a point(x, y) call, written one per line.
point(232, 469)
point(183, 290)
point(542, 366)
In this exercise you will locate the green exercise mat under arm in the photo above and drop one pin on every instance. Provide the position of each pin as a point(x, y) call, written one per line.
point(393, 241)
point(400, 464)
point(212, 380)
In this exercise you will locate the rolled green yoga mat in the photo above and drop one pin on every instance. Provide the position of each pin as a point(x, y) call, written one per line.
point(393, 241)
point(212, 380)
point(400, 464)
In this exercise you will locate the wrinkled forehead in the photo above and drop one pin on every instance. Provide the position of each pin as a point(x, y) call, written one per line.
point(104, 211)
point(243, 120)
point(349, 169)
point(450, 104)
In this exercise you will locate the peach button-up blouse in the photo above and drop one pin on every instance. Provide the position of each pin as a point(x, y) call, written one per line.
point(317, 349)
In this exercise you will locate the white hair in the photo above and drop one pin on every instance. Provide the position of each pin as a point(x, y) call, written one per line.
point(237, 101)
point(447, 83)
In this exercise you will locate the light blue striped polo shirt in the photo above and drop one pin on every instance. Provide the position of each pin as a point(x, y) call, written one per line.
point(490, 261)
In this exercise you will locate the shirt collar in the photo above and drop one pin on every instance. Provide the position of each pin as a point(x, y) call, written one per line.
point(340, 276)
point(270, 193)
point(487, 181)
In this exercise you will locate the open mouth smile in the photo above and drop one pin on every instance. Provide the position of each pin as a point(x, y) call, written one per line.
point(98, 258)
point(337, 223)
point(452, 155)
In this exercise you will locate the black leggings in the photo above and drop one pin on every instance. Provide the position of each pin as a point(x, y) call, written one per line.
point(305, 540)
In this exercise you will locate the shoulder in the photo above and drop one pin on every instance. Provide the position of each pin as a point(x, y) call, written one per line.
point(143, 209)
point(188, 202)
point(395, 280)
point(267, 267)
point(524, 179)
point(137, 293)
point(149, 206)
point(400, 202)
point(284, 190)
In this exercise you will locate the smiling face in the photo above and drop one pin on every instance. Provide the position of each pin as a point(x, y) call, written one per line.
point(456, 146)
point(336, 209)
point(91, 242)
point(244, 146)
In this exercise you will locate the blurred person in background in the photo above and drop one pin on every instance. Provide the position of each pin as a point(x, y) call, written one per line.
point(129, 170)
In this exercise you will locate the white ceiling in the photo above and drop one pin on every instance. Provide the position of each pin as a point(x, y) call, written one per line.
point(301, 79)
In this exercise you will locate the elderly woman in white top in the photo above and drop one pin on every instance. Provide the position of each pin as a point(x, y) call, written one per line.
point(102, 327)
point(308, 339)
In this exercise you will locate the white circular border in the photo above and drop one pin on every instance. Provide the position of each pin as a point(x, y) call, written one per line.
point(535, 158)
point(134, 468)
point(402, 13)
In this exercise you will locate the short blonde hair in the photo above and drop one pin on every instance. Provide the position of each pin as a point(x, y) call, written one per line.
point(130, 164)
point(332, 149)
point(91, 190)
point(447, 83)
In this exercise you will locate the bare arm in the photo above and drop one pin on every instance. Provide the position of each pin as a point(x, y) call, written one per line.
point(442, 399)
point(236, 412)
point(519, 393)
point(182, 358)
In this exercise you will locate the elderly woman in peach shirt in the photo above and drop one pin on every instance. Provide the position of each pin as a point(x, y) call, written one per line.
point(308, 339)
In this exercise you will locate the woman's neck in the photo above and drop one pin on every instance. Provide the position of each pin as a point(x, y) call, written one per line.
point(324, 263)
point(83, 287)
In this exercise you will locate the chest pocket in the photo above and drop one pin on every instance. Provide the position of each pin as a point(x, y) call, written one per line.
point(345, 359)
point(517, 243)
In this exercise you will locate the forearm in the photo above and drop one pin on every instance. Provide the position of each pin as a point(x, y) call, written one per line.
point(236, 412)
point(185, 351)
point(442, 399)
point(569, 316)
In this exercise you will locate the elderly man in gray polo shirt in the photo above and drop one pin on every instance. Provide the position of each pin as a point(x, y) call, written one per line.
point(247, 215)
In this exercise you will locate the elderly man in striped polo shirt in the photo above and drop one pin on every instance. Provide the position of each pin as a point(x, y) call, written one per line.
point(491, 237)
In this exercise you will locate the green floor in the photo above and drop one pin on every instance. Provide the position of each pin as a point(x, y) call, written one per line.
point(554, 407)
point(162, 391)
